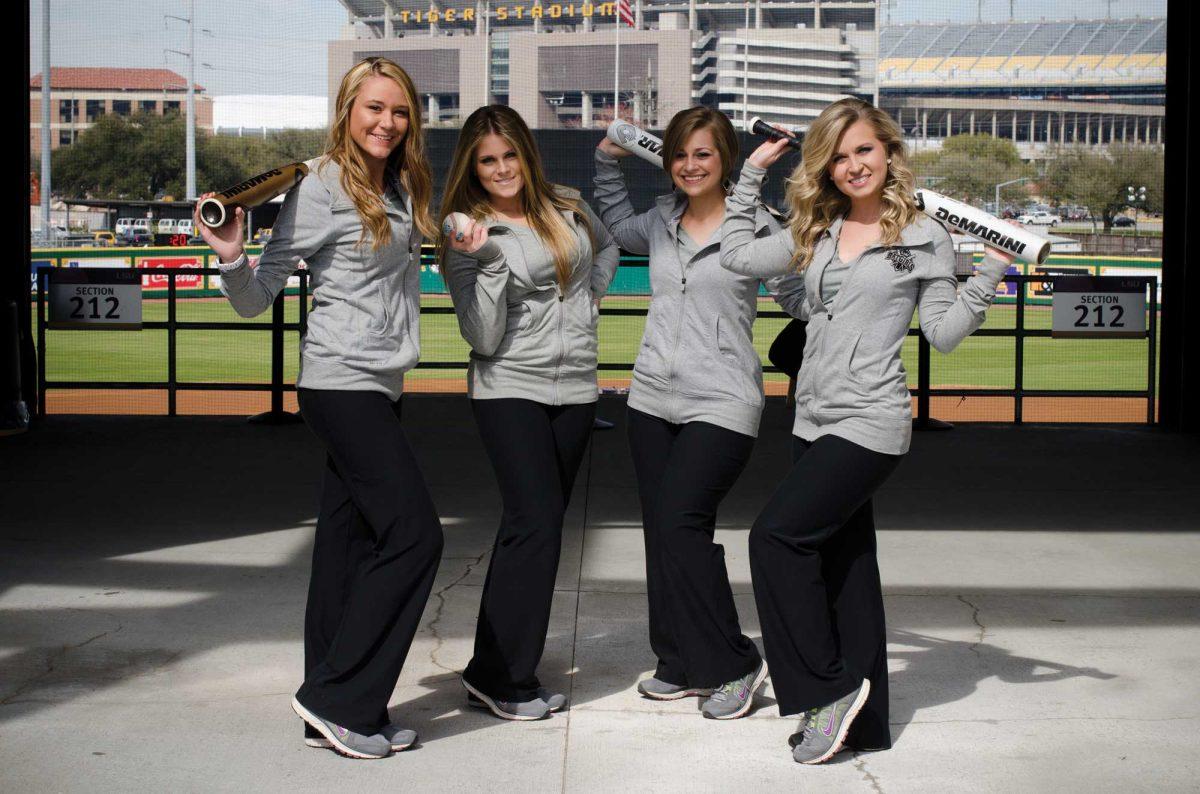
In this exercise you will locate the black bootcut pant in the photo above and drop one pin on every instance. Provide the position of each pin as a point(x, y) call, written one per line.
point(377, 547)
point(535, 450)
point(683, 473)
point(816, 583)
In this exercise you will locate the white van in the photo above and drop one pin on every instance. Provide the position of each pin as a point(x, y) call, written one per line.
point(185, 226)
point(124, 225)
point(166, 226)
point(141, 225)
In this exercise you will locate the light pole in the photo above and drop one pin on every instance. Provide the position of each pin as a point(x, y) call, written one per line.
point(1135, 199)
point(1006, 184)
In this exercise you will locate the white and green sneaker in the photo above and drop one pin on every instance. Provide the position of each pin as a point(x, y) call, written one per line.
point(823, 730)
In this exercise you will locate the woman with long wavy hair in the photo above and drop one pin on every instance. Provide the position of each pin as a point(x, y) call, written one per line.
point(527, 263)
point(695, 402)
point(357, 220)
point(869, 258)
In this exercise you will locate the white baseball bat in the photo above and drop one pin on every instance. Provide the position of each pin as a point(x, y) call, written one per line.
point(1024, 245)
point(634, 139)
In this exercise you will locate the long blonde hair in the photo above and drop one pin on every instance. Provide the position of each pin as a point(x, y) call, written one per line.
point(814, 200)
point(542, 204)
point(408, 161)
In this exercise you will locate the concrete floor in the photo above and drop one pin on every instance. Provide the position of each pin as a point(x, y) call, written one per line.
point(1042, 589)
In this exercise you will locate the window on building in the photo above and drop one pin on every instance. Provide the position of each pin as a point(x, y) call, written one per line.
point(148, 106)
point(64, 138)
point(171, 106)
point(95, 109)
point(122, 107)
point(68, 110)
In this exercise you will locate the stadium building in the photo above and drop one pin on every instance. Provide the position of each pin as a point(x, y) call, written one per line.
point(556, 63)
point(1040, 84)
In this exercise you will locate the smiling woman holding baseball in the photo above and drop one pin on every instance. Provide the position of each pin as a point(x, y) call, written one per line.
point(694, 406)
point(869, 259)
point(527, 263)
point(357, 220)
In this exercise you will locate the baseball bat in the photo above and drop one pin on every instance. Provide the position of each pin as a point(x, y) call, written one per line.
point(256, 190)
point(636, 140)
point(1024, 245)
point(760, 127)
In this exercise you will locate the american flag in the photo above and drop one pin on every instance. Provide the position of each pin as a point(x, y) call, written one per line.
point(625, 12)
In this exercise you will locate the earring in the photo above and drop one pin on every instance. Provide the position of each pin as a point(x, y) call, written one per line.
point(889, 161)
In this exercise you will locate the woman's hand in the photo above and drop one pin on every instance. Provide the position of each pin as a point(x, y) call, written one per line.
point(469, 237)
point(611, 149)
point(767, 154)
point(998, 253)
point(226, 239)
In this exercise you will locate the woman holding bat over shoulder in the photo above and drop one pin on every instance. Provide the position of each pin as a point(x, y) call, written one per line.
point(357, 220)
point(694, 407)
point(527, 263)
point(869, 259)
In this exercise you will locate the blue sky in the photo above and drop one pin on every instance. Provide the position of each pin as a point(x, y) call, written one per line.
point(278, 46)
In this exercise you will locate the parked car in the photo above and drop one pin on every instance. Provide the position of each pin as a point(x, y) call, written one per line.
point(138, 238)
point(123, 226)
point(1039, 218)
point(185, 226)
point(1123, 221)
point(166, 226)
point(104, 239)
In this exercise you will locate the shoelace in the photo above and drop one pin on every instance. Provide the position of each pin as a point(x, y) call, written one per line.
point(725, 690)
point(810, 721)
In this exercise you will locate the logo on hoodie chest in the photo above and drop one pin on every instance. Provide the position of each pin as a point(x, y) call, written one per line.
point(902, 260)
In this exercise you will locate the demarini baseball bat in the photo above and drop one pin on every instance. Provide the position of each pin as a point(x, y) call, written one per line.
point(971, 221)
point(215, 210)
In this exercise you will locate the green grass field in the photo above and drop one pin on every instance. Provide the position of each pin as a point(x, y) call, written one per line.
point(244, 356)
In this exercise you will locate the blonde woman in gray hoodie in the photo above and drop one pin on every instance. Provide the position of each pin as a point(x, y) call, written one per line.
point(527, 265)
point(869, 258)
point(694, 406)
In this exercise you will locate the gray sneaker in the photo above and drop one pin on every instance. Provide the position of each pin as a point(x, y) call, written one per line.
point(399, 738)
point(733, 700)
point(823, 730)
point(556, 701)
point(344, 741)
point(535, 709)
point(655, 689)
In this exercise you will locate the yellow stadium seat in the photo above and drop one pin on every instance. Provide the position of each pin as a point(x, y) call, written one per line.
point(1054, 62)
point(1025, 63)
point(957, 64)
point(1112, 61)
point(990, 63)
point(1086, 63)
point(924, 64)
point(896, 64)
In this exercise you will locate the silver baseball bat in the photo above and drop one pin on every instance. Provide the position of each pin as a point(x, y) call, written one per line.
point(634, 139)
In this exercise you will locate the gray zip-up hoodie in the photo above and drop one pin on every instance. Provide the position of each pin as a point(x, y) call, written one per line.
point(697, 360)
point(530, 338)
point(363, 331)
point(852, 383)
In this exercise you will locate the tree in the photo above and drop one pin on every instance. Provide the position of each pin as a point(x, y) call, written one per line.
point(969, 167)
point(1100, 179)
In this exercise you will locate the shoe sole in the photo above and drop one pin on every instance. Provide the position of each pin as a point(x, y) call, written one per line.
point(322, 743)
point(491, 706)
point(855, 707)
point(334, 744)
point(758, 681)
point(476, 703)
point(683, 693)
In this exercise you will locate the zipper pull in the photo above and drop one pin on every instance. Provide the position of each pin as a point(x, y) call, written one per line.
point(828, 316)
point(683, 284)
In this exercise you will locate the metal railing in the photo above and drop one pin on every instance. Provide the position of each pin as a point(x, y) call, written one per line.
point(923, 391)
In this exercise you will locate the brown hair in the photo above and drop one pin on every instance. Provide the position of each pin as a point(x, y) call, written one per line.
point(543, 205)
point(815, 201)
point(686, 122)
point(408, 161)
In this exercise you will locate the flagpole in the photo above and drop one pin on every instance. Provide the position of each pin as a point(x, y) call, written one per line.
point(617, 69)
